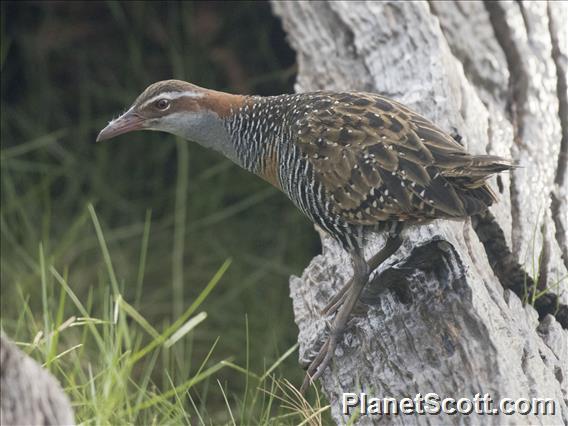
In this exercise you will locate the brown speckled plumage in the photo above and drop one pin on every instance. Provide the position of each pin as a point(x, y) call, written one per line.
point(381, 161)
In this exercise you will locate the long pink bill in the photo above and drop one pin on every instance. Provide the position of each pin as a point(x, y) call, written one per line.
point(128, 122)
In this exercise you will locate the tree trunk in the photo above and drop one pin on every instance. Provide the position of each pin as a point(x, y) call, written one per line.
point(29, 395)
point(463, 307)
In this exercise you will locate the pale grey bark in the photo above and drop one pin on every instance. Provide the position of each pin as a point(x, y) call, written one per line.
point(29, 395)
point(448, 322)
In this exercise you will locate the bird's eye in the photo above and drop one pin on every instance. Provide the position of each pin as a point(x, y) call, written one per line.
point(162, 104)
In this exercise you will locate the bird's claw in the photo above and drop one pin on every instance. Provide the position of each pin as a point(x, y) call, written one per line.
point(318, 365)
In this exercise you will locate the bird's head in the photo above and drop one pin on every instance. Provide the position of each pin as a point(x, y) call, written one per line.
point(179, 108)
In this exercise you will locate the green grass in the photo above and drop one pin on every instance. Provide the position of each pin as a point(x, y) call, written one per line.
point(121, 384)
point(537, 263)
point(149, 275)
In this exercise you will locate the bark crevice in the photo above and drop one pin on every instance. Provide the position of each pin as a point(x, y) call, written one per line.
point(351, 46)
point(518, 94)
point(478, 79)
point(511, 274)
point(560, 178)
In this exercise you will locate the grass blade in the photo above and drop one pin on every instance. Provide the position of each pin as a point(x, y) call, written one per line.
point(104, 249)
point(143, 254)
point(183, 318)
point(180, 215)
point(186, 328)
point(135, 315)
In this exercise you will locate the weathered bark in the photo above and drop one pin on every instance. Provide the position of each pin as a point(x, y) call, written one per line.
point(29, 395)
point(442, 314)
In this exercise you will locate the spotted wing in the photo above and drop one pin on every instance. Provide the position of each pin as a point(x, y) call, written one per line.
point(378, 160)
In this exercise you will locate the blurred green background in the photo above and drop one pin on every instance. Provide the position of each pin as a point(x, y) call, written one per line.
point(171, 213)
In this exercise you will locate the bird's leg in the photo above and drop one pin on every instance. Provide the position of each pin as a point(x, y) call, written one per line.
point(349, 296)
point(392, 245)
point(336, 301)
point(361, 272)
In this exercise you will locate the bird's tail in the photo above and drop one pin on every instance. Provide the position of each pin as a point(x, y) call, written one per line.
point(472, 180)
point(486, 165)
point(478, 167)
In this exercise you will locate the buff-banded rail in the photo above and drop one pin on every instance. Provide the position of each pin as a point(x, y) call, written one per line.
point(353, 162)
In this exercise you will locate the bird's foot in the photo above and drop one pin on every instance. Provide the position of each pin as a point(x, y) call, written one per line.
point(321, 361)
point(342, 305)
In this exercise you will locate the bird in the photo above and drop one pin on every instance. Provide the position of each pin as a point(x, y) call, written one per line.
point(355, 163)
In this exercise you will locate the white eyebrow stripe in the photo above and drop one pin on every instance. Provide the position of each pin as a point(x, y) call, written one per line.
point(172, 95)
